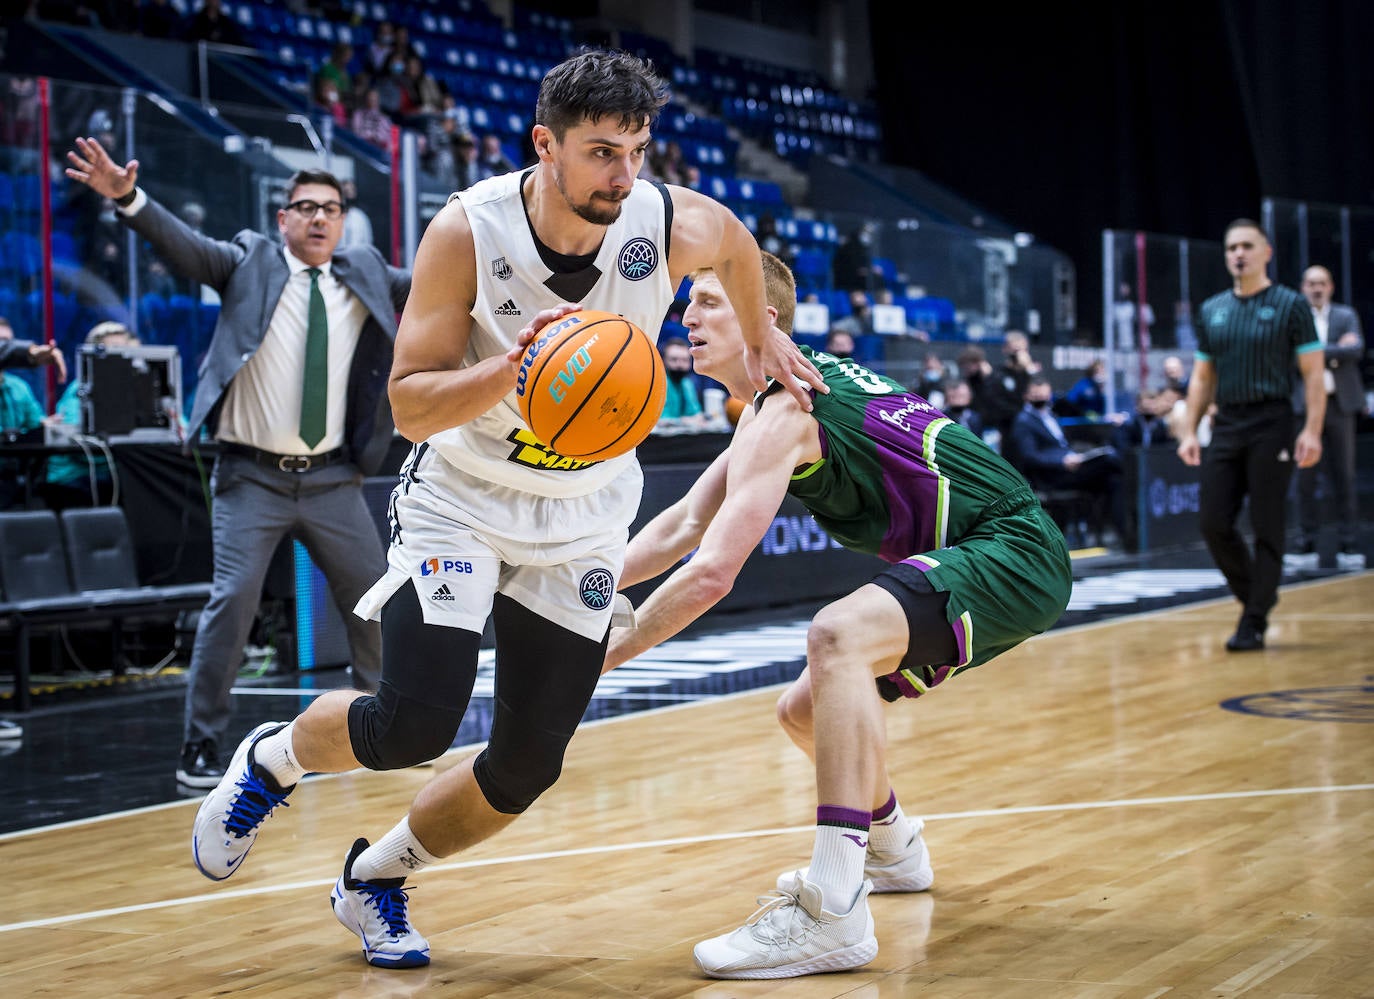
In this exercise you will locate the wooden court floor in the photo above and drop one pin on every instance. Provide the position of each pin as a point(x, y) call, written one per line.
point(1100, 828)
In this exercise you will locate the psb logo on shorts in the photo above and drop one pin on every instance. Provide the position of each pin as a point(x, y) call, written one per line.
point(637, 259)
point(597, 589)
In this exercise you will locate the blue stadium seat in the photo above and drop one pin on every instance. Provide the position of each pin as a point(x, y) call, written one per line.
point(153, 324)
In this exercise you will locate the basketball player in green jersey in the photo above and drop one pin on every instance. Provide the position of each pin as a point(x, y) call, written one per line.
point(976, 566)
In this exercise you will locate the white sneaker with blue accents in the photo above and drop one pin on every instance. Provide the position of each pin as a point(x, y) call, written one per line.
point(376, 911)
point(230, 816)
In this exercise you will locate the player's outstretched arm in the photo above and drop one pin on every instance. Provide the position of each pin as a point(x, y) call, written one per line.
point(707, 234)
point(761, 459)
point(429, 389)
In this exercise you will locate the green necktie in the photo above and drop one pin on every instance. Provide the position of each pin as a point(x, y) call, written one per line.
point(315, 388)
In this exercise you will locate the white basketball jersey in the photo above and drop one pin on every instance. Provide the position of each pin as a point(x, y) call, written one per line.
point(511, 288)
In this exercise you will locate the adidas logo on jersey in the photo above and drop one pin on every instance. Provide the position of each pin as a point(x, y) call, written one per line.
point(507, 308)
point(443, 593)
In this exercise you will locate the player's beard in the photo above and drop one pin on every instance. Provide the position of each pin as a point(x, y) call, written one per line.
point(590, 211)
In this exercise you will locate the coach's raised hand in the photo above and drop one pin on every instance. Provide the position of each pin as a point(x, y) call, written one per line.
point(92, 166)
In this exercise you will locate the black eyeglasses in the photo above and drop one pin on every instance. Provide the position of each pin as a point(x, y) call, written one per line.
point(332, 209)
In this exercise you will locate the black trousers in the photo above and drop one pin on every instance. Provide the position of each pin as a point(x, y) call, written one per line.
point(1251, 454)
point(1338, 468)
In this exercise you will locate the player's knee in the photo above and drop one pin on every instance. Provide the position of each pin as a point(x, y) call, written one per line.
point(826, 639)
point(511, 779)
point(391, 732)
point(794, 713)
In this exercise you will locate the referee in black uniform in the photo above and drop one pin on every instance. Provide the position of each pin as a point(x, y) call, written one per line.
point(1247, 339)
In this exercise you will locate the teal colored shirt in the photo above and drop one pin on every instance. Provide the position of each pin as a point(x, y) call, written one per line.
point(681, 399)
point(1252, 342)
point(19, 408)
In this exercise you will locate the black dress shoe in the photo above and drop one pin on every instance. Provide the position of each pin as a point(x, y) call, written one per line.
point(200, 766)
point(1249, 636)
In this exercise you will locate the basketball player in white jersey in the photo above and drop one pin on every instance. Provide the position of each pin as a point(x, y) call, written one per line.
point(487, 520)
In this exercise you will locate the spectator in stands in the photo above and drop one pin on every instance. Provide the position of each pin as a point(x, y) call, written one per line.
point(492, 160)
point(329, 98)
point(668, 164)
point(852, 265)
point(357, 230)
point(19, 123)
point(19, 414)
point(931, 381)
point(771, 241)
point(401, 50)
point(16, 353)
point(1338, 327)
point(389, 82)
point(840, 343)
point(371, 123)
point(335, 70)
point(82, 480)
point(994, 395)
point(959, 407)
point(1175, 375)
point(682, 405)
point(860, 318)
point(1042, 453)
point(464, 159)
point(159, 19)
point(379, 51)
point(1017, 363)
point(1086, 397)
point(1149, 425)
point(1133, 320)
point(212, 24)
point(297, 433)
point(422, 96)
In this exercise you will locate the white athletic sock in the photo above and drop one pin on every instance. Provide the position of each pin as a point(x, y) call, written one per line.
point(398, 854)
point(891, 830)
point(837, 859)
point(275, 755)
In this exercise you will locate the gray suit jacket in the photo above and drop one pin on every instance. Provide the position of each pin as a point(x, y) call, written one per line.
point(250, 272)
point(1342, 362)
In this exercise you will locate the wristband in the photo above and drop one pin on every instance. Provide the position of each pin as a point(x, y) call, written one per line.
point(124, 201)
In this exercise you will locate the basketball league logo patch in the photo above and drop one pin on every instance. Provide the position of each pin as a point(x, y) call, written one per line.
point(501, 269)
point(637, 259)
point(597, 589)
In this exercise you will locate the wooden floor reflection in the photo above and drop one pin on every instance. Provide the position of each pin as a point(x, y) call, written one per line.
point(1101, 827)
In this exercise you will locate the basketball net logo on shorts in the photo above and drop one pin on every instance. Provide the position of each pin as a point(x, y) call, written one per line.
point(637, 259)
point(530, 451)
point(597, 589)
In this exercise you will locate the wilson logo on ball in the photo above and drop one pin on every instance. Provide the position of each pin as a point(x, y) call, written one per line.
point(591, 386)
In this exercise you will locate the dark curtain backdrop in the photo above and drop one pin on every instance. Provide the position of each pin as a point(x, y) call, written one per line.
point(1167, 117)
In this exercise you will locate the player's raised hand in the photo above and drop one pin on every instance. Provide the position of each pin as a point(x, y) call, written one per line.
point(540, 320)
point(92, 166)
point(782, 359)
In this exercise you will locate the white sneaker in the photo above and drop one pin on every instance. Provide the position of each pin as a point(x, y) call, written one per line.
point(1350, 561)
point(1301, 560)
point(230, 816)
point(792, 935)
point(10, 730)
point(376, 911)
point(905, 871)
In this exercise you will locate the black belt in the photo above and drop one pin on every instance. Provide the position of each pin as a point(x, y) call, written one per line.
point(286, 462)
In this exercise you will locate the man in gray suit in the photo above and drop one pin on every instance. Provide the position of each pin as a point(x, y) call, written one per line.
point(1338, 326)
point(293, 386)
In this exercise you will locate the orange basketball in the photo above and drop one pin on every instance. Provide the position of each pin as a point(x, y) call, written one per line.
point(591, 385)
